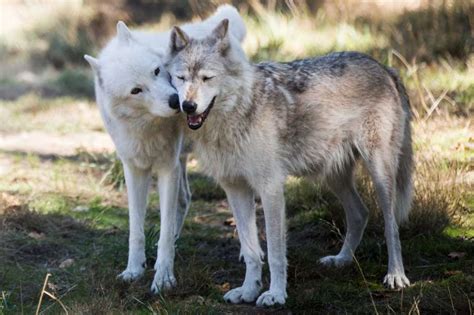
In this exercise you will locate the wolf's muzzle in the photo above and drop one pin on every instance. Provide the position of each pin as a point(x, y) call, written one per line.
point(195, 121)
point(173, 101)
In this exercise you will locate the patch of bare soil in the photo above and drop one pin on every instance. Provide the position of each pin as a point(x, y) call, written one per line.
point(39, 142)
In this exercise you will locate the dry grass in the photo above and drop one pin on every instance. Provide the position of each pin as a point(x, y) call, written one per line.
point(35, 113)
point(57, 209)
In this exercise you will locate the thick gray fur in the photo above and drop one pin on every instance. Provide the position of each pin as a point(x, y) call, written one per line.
point(314, 117)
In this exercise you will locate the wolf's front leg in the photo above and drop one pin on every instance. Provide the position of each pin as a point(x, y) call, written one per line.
point(168, 182)
point(137, 181)
point(242, 203)
point(273, 201)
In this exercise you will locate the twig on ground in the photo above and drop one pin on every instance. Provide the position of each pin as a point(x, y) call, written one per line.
point(44, 292)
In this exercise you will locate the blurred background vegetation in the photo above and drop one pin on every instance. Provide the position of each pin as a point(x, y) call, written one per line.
point(63, 208)
point(431, 42)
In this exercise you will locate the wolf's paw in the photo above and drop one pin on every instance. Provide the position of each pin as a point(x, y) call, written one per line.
point(164, 280)
point(335, 261)
point(130, 274)
point(271, 298)
point(396, 281)
point(242, 294)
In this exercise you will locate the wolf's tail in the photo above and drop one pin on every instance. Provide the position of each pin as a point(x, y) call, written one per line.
point(236, 23)
point(404, 186)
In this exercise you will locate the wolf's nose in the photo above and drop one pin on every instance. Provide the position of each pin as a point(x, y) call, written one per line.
point(189, 107)
point(173, 101)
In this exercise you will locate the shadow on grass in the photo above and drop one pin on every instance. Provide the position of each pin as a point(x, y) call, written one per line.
point(34, 243)
point(79, 157)
point(427, 260)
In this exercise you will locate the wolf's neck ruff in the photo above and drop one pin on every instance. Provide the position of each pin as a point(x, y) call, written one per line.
point(236, 108)
point(230, 111)
point(139, 120)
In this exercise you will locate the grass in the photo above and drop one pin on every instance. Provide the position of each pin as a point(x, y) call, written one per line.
point(49, 219)
point(32, 112)
point(64, 203)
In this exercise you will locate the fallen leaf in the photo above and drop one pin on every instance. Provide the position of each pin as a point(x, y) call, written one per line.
point(456, 255)
point(52, 286)
point(36, 235)
point(66, 263)
point(230, 221)
point(224, 287)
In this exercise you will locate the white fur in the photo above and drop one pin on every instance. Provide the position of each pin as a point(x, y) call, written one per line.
point(145, 140)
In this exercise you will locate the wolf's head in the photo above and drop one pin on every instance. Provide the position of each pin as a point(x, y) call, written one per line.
point(201, 69)
point(130, 79)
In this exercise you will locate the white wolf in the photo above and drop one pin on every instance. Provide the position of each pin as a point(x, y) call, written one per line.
point(138, 106)
point(314, 117)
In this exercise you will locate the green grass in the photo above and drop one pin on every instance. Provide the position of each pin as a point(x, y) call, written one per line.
point(207, 264)
point(43, 227)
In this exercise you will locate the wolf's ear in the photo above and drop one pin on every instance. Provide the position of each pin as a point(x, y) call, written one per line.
point(123, 33)
point(94, 62)
point(220, 32)
point(179, 39)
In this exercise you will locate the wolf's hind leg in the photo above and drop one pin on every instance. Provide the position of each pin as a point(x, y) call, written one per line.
point(382, 165)
point(242, 203)
point(184, 195)
point(356, 218)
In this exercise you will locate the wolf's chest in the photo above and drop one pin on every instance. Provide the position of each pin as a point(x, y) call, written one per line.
point(220, 164)
point(144, 148)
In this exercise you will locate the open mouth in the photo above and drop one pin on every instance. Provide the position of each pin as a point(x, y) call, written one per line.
point(195, 121)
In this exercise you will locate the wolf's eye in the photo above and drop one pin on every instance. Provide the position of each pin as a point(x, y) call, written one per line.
point(157, 71)
point(135, 91)
point(180, 78)
point(204, 79)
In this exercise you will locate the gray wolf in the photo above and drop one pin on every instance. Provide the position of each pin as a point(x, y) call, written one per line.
point(138, 106)
point(254, 124)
